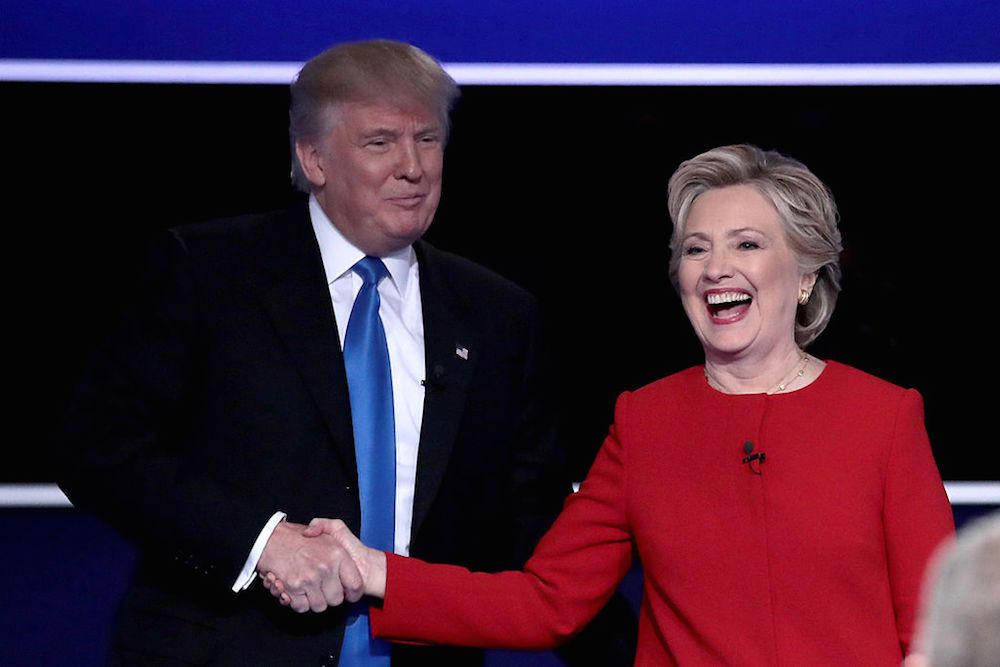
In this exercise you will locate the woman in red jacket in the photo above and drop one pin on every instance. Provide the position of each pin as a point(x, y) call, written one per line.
point(757, 546)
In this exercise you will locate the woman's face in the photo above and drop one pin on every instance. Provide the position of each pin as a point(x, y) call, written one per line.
point(738, 278)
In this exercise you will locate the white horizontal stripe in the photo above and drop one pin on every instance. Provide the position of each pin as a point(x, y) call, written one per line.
point(121, 71)
point(725, 75)
point(521, 74)
point(49, 495)
point(973, 493)
point(32, 495)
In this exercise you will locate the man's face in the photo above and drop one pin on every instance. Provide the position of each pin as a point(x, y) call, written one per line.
point(377, 173)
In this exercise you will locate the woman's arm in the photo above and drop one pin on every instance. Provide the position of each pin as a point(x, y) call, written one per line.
point(571, 575)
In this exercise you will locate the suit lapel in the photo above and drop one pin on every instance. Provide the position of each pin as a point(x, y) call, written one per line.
point(297, 300)
point(296, 297)
point(450, 349)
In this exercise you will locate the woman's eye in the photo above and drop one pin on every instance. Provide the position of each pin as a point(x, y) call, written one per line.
point(748, 245)
point(693, 250)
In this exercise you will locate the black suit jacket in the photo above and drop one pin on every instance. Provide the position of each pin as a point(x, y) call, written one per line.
point(222, 397)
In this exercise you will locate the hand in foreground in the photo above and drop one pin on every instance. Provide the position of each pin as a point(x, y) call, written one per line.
point(314, 569)
point(369, 563)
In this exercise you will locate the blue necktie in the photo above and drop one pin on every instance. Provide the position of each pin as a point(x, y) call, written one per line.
point(369, 381)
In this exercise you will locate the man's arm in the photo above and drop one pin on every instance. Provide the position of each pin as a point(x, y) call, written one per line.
point(128, 454)
point(121, 449)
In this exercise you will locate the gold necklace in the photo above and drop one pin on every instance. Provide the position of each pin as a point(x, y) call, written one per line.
point(802, 371)
point(776, 389)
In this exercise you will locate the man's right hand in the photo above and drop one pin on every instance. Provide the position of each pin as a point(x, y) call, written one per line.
point(316, 571)
point(370, 563)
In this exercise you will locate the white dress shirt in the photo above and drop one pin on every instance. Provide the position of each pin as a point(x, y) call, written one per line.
point(402, 319)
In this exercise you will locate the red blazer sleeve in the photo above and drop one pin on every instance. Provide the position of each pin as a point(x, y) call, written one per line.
point(572, 573)
point(916, 513)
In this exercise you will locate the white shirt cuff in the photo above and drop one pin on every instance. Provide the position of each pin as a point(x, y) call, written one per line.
point(249, 571)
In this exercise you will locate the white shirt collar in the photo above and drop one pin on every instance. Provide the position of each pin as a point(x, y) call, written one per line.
point(340, 255)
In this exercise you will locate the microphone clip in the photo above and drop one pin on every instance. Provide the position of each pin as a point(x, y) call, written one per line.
point(434, 380)
point(750, 459)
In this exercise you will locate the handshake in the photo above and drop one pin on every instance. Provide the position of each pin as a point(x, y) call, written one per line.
point(310, 568)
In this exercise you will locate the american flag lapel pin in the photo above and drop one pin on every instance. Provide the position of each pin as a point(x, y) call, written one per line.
point(462, 352)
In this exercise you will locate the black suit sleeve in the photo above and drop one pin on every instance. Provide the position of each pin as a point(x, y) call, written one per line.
point(125, 451)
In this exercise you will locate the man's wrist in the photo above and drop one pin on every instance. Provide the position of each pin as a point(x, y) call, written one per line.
point(249, 571)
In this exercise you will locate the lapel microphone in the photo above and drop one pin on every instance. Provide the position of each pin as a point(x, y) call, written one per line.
point(434, 381)
point(751, 458)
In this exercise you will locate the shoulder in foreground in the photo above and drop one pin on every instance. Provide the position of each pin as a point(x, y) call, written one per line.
point(249, 226)
point(683, 383)
point(850, 379)
point(675, 396)
point(465, 276)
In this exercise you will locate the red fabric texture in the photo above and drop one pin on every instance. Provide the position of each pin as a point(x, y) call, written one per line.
point(817, 560)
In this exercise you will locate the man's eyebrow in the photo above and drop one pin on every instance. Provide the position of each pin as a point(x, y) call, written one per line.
point(380, 131)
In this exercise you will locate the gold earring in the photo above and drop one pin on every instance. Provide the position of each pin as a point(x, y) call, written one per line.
point(803, 296)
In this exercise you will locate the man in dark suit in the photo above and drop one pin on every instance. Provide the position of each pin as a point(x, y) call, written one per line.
point(217, 420)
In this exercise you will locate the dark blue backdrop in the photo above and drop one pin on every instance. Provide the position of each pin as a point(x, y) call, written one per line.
point(572, 31)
